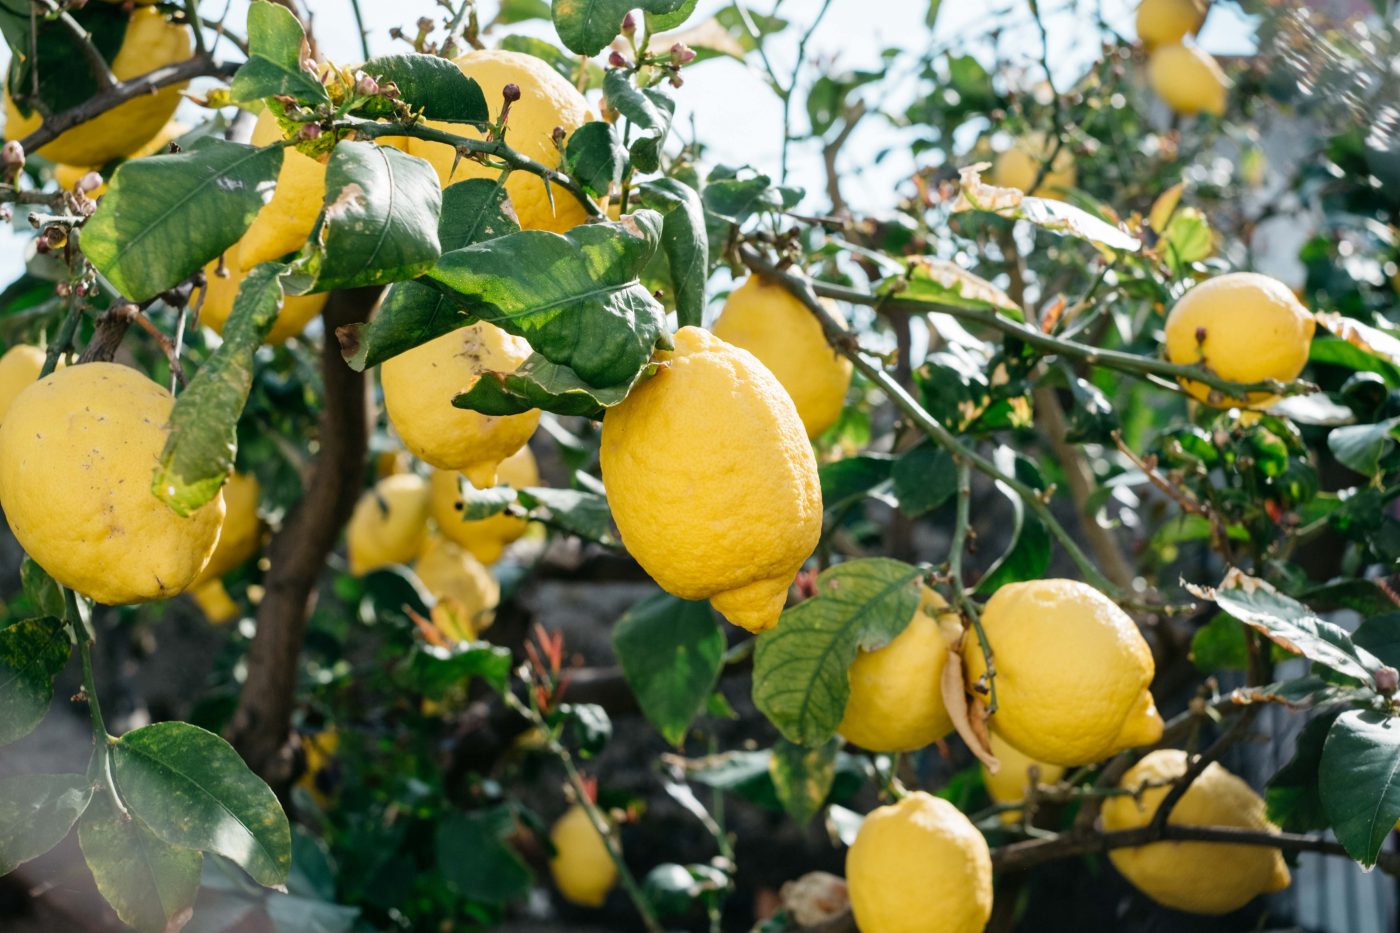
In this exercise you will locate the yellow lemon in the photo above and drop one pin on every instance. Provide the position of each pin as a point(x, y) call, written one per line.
point(919, 865)
point(896, 702)
point(712, 481)
point(1072, 672)
point(223, 284)
point(1162, 22)
point(78, 451)
point(546, 101)
point(318, 780)
point(419, 386)
point(1013, 780)
point(241, 534)
point(1188, 80)
point(465, 591)
point(583, 870)
point(68, 176)
point(1199, 877)
point(389, 524)
point(486, 538)
point(765, 319)
point(214, 601)
point(1244, 327)
point(1019, 166)
point(19, 368)
point(285, 222)
point(150, 42)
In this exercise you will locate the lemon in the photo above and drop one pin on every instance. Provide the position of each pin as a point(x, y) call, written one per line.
point(1244, 327)
point(896, 702)
point(1019, 166)
point(68, 176)
point(214, 601)
point(1012, 781)
point(583, 870)
point(150, 42)
point(19, 368)
point(1162, 22)
point(78, 450)
point(1072, 672)
point(765, 319)
point(919, 865)
point(389, 524)
point(318, 780)
point(1199, 877)
point(465, 591)
point(712, 481)
point(285, 222)
point(1188, 80)
point(241, 534)
point(546, 101)
point(419, 386)
point(297, 310)
point(486, 538)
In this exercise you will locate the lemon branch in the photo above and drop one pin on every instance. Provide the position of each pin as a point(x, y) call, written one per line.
point(955, 571)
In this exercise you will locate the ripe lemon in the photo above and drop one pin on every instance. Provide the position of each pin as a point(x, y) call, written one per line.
point(297, 310)
point(1019, 166)
point(239, 539)
point(1200, 877)
point(1072, 672)
point(1244, 327)
point(583, 870)
point(214, 601)
point(68, 176)
point(389, 524)
point(896, 702)
point(919, 865)
point(19, 368)
point(1162, 22)
point(150, 42)
point(486, 538)
point(546, 101)
point(1012, 781)
point(712, 481)
point(466, 593)
point(285, 222)
point(320, 778)
point(419, 386)
point(78, 451)
point(1188, 80)
point(765, 319)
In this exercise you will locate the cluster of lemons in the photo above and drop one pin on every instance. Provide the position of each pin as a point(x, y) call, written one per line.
point(1187, 79)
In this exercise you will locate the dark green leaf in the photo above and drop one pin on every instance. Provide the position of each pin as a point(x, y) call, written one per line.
point(587, 727)
point(538, 383)
point(661, 22)
point(199, 452)
point(737, 199)
point(43, 590)
point(149, 883)
point(32, 653)
point(924, 478)
point(853, 478)
point(433, 85)
point(587, 26)
point(259, 78)
point(671, 651)
point(193, 791)
point(380, 218)
point(51, 50)
point(799, 679)
point(164, 217)
point(1380, 635)
point(1360, 781)
point(475, 860)
point(435, 671)
point(36, 812)
point(576, 511)
point(595, 157)
point(1361, 446)
point(802, 777)
point(1293, 795)
point(685, 241)
point(648, 108)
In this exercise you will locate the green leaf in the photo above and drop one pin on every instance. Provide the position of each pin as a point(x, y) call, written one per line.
point(1220, 645)
point(846, 480)
point(662, 22)
point(149, 883)
point(1380, 635)
point(518, 11)
point(380, 221)
point(1055, 216)
point(32, 653)
point(803, 777)
point(36, 812)
point(595, 157)
point(799, 679)
point(1187, 239)
point(576, 511)
point(671, 651)
point(538, 383)
point(750, 775)
point(275, 34)
point(1361, 447)
point(924, 478)
point(165, 216)
point(1028, 556)
point(1360, 780)
point(737, 199)
point(1293, 796)
point(43, 590)
point(685, 241)
point(942, 282)
point(51, 50)
point(587, 26)
point(649, 109)
point(483, 503)
point(432, 85)
point(473, 211)
point(191, 788)
point(586, 727)
point(435, 671)
point(474, 858)
point(269, 70)
point(577, 298)
point(199, 453)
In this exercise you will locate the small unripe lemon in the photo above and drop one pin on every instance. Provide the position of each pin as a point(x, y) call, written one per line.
point(78, 452)
point(225, 279)
point(1019, 166)
point(1161, 22)
point(896, 702)
point(486, 538)
point(919, 865)
point(1244, 327)
point(1012, 781)
point(765, 319)
point(583, 870)
point(389, 524)
point(19, 368)
point(712, 481)
point(419, 386)
point(1072, 672)
point(465, 591)
point(1200, 877)
point(1188, 80)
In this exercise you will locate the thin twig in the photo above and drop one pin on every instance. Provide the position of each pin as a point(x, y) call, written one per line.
point(1199, 764)
point(1219, 539)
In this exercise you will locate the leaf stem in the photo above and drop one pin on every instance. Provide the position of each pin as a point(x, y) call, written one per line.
point(100, 769)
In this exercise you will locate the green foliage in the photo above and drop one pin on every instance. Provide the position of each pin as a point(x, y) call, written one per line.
point(433, 86)
point(274, 67)
point(36, 812)
point(1359, 776)
point(149, 882)
point(475, 859)
point(32, 652)
point(671, 651)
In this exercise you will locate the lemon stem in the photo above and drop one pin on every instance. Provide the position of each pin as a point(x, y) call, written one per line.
point(100, 768)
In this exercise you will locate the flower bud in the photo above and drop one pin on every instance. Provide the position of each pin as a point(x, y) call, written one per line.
point(309, 131)
point(511, 93)
point(89, 182)
point(1387, 681)
point(366, 86)
point(682, 54)
point(558, 137)
point(13, 154)
point(629, 23)
point(616, 60)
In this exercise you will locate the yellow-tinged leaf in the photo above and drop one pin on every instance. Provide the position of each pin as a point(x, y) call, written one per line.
point(1363, 336)
point(1165, 206)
